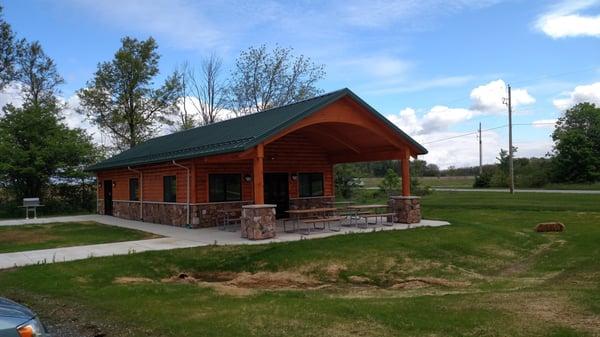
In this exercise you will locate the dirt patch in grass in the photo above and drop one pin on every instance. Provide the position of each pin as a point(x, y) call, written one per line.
point(333, 270)
point(422, 282)
point(244, 284)
point(276, 280)
point(132, 280)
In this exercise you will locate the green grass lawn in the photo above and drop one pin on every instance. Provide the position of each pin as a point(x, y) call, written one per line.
point(467, 182)
point(63, 234)
point(488, 274)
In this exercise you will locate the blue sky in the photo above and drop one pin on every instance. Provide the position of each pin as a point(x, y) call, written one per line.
point(436, 68)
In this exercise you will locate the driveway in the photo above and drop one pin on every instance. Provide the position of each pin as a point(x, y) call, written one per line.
point(174, 238)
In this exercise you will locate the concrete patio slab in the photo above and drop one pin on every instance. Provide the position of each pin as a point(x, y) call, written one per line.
point(174, 238)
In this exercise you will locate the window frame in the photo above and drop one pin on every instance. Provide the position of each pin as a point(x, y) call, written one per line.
point(226, 182)
point(136, 196)
point(311, 181)
point(170, 195)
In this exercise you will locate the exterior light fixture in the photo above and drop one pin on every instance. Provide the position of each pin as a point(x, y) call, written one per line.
point(114, 184)
point(248, 178)
point(294, 176)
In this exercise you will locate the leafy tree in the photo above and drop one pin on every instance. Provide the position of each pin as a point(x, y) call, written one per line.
point(431, 170)
point(121, 97)
point(390, 182)
point(577, 144)
point(7, 52)
point(346, 179)
point(37, 74)
point(417, 167)
point(264, 79)
point(35, 146)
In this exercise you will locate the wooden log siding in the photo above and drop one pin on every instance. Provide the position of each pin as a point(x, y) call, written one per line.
point(292, 154)
point(152, 185)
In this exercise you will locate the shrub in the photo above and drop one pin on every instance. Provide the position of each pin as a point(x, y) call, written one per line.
point(483, 180)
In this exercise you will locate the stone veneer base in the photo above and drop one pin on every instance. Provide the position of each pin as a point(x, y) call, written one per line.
point(201, 215)
point(407, 209)
point(258, 222)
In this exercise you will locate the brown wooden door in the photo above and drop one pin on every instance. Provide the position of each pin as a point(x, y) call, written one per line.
point(276, 192)
point(108, 207)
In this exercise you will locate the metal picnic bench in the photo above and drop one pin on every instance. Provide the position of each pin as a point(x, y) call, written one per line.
point(311, 218)
point(368, 211)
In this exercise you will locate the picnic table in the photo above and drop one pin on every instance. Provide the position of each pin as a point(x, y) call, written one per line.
point(367, 211)
point(231, 219)
point(321, 217)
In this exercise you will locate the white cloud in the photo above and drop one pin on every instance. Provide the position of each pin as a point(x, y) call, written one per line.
point(460, 151)
point(74, 119)
point(463, 150)
point(485, 100)
point(544, 123)
point(582, 93)
point(441, 117)
point(407, 121)
point(566, 20)
point(11, 94)
point(489, 97)
point(438, 118)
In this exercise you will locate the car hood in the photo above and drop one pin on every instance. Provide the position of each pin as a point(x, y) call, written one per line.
point(9, 308)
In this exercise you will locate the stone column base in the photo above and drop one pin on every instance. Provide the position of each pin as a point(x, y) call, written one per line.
point(258, 222)
point(407, 209)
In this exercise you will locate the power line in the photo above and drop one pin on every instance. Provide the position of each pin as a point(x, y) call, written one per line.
point(484, 130)
point(465, 134)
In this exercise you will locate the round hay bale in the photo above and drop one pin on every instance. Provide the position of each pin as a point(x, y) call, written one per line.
point(550, 227)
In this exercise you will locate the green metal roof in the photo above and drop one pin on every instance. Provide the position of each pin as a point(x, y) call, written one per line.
point(232, 135)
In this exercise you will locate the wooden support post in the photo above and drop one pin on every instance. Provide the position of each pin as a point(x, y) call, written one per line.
point(406, 173)
point(258, 175)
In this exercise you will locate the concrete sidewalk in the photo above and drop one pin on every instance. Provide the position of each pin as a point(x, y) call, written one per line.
point(174, 238)
point(17, 259)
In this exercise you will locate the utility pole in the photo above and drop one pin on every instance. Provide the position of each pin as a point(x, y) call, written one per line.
point(510, 146)
point(480, 152)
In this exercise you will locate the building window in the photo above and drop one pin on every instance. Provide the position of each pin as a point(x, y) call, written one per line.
point(134, 189)
point(170, 188)
point(224, 187)
point(311, 184)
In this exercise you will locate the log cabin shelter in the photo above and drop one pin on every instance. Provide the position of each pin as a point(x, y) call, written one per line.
point(282, 156)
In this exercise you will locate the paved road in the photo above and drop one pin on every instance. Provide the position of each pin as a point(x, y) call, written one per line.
point(518, 191)
point(174, 238)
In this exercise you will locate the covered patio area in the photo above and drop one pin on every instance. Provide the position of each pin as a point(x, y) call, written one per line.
point(257, 169)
